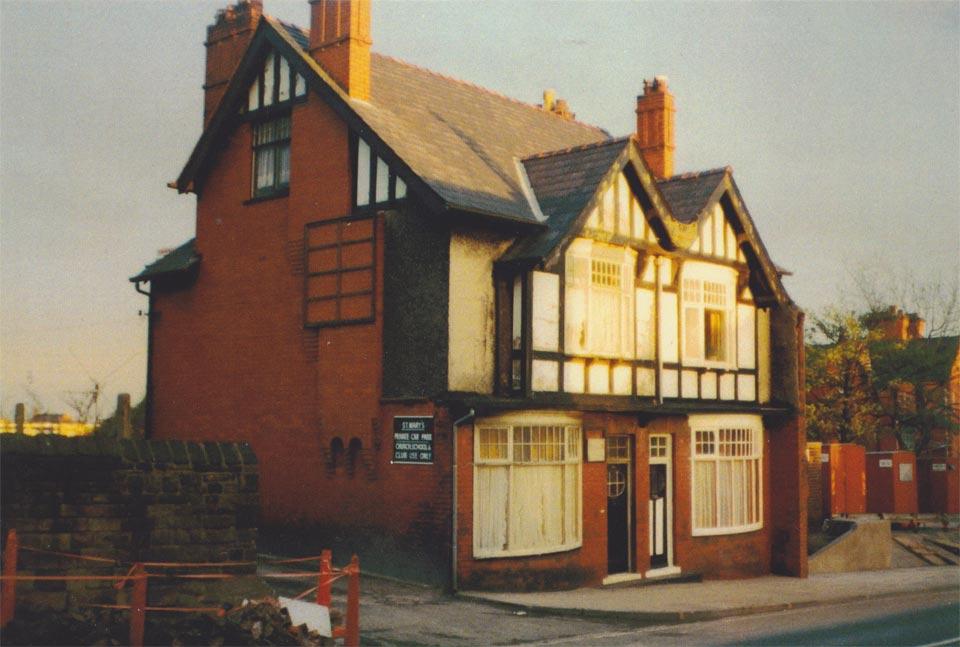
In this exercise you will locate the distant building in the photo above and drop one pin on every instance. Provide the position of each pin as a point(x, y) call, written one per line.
point(473, 334)
point(48, 423)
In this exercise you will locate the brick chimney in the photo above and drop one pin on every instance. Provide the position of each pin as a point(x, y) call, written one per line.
point(655, 126)
point(340, 42)
point(227, 40)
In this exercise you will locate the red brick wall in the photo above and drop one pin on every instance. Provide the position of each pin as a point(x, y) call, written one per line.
point(232, 359)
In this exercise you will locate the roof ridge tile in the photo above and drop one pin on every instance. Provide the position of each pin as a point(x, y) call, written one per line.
point(575, 149)
point(690, 175)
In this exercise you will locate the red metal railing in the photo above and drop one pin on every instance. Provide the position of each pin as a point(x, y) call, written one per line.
point(138, 577)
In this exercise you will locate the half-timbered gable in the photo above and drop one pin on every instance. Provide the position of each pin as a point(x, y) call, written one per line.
point(469, 335)
point(645, 290)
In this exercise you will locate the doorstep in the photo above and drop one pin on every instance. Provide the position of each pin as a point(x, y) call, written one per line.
point(650, 578)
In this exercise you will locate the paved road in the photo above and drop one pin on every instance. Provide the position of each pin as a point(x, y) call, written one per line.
point(402, 614)
point(932, 619)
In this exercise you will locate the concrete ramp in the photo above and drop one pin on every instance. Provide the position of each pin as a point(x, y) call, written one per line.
point(864, 545)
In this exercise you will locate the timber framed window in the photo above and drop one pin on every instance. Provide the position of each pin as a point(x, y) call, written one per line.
point(375, 183)
point(341, 262)
point(527, 494)
point(709, 316)
point(599, 311)
point(727, 474)
point(271, 157)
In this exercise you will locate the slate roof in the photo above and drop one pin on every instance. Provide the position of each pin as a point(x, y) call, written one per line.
point(688, 194)
point(563, 182)
point(179, 260)
point(462, 140)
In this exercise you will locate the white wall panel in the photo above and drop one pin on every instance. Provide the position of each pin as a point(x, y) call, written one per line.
point(599, 377)
point(668, 327)
point(545, 375)
point(573, 379)
point(746, 346)
point(546, 311)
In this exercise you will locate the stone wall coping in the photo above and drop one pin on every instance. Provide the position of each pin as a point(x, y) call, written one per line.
point(217, 455)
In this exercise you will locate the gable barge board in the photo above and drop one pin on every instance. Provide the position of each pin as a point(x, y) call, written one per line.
point(226, 117)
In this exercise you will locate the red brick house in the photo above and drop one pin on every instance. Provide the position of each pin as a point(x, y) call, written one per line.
point(472, 332)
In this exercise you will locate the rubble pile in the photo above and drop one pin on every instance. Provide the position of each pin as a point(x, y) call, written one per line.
point(256, 622)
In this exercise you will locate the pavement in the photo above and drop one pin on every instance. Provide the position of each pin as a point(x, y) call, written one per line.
point(690, 602)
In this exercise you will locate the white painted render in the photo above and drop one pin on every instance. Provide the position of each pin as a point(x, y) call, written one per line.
point(470, 364)
point(546, 311)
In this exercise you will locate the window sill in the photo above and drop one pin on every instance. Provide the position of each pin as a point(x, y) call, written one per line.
point(531, 552)
point(737, 530)
point(279, 193)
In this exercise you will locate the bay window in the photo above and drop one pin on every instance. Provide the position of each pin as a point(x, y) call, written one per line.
point(527, 494)
point(727, 470)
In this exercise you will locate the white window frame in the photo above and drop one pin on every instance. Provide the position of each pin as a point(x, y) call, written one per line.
point(572, 459)
point(701, 286)
point(602, 273)
point(707, 424)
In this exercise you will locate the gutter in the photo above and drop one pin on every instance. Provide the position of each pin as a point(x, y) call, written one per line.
point(453, 540)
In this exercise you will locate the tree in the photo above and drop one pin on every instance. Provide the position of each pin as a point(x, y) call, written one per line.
point(841, 402)
point(911, 378)
point(936, 299)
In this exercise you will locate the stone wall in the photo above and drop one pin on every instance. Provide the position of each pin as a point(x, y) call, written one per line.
point(128, 500)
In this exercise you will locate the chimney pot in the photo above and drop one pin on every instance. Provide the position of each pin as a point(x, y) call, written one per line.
point(549, 97)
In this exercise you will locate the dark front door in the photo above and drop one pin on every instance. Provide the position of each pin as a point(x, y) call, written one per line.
point(619, 503)
point(658, 516)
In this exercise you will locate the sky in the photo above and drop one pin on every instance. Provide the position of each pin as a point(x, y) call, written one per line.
point(841, 121)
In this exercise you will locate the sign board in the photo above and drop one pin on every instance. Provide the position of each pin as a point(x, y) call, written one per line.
point(906, 471)
point(824, 458)
point(596, 450)
point(939, 467)
point(413, 440)
point(885, 462)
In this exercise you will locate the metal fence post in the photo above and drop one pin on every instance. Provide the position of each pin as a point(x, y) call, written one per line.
point(352, 638)
point(8, 596)
point(138, 605)
point(323, 579)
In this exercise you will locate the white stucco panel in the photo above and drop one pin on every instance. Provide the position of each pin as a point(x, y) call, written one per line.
point(668, 327)
point(746, 331)
point(646, 330)
point(545, 375)
point(546, 311)
point(470, 363)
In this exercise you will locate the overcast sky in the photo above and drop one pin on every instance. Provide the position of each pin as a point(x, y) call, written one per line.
point(841, 122)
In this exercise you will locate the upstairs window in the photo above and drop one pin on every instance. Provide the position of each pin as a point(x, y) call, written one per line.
point(269, 99)
point(708, 315)
point(599, 315)
point(271, 157)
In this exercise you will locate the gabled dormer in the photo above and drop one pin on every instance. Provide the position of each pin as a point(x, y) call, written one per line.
point(640, 288)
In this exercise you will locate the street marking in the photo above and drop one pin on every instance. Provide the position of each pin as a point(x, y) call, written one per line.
point(948, 641)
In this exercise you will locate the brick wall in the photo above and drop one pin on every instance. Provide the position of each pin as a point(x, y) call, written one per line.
point(129, 500)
